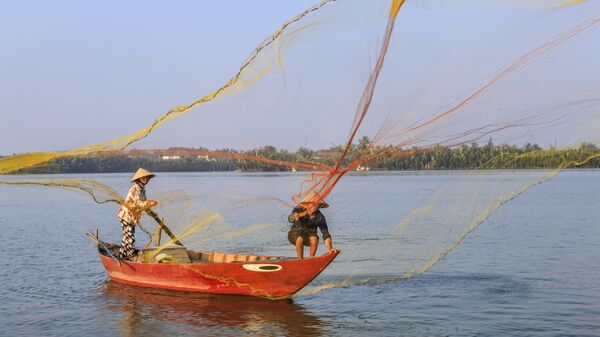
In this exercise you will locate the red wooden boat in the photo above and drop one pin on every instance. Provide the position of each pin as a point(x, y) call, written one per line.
point(273, 277)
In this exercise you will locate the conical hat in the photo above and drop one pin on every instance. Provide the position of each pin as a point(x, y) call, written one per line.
point(313, 196)
point(142, 173)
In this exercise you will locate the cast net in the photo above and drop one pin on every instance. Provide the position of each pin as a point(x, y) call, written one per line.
point(389, 82)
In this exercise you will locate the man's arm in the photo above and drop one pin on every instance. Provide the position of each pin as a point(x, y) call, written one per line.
point(322, 224)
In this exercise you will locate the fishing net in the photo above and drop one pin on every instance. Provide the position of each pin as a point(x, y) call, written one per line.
point(406, 79)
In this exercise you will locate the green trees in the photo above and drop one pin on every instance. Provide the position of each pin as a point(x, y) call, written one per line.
point(464, 157)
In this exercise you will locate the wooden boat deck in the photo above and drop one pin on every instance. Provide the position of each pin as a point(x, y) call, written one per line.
point(184, 255)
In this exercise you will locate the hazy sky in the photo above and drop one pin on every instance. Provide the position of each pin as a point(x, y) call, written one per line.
point(75, 73)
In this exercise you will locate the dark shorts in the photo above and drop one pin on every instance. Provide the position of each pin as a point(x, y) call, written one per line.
point(305, 233)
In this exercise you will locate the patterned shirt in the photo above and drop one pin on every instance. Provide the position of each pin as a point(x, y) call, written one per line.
point(134, 205)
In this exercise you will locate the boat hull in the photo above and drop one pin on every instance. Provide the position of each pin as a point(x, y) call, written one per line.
point(273, 278)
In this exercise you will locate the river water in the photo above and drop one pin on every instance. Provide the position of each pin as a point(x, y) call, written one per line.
point(530, 269)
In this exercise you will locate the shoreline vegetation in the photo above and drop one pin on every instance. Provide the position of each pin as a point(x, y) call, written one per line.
point(464, 157)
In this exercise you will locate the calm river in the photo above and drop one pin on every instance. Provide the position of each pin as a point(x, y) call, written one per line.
point(530, 269)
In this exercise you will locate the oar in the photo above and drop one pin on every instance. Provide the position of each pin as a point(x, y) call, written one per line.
point(164, 227)
point(157, 236)
point(100, 243)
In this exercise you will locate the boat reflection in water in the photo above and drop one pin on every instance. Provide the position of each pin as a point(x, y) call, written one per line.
point(151, 311)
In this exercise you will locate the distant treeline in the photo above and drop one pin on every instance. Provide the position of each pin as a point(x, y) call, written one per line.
point(465, 157)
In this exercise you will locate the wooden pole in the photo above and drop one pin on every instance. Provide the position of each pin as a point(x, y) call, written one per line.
point(164, 227)
point(157, 235)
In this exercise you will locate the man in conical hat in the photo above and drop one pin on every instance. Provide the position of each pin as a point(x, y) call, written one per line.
point(305, 219)
point(130, 212)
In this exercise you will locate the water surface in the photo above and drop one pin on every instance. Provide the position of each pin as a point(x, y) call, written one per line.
point(531, 269)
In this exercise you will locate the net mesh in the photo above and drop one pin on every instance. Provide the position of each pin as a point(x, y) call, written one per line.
point(412, 86)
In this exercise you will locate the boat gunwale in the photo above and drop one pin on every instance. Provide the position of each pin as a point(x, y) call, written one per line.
point(104, 246)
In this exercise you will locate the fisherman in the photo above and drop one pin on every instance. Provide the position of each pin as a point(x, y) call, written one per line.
point(130, 212)
point(304, 225)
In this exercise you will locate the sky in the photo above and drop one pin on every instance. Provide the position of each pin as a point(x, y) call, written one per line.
point(78, 73)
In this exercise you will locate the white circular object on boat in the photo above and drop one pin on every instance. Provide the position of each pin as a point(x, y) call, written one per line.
point(262, 267)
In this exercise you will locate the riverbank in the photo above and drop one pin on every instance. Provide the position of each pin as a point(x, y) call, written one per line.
point(466, 157)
